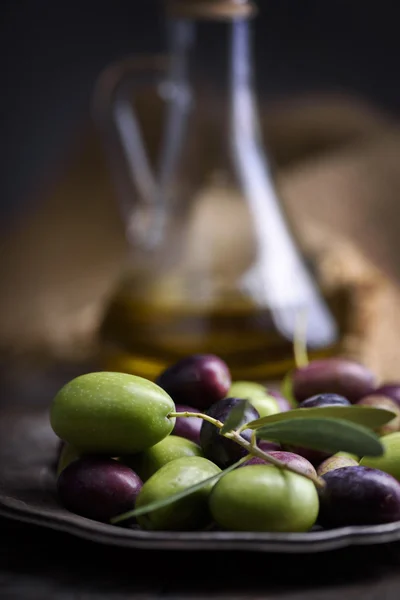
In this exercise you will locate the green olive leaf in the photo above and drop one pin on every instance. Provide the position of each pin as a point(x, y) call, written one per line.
point(235, 416)
point(131, 514)
point(367, 416)
point(328, 435)
point(287, 389)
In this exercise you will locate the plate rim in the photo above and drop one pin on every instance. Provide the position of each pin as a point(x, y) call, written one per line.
point(300, 543)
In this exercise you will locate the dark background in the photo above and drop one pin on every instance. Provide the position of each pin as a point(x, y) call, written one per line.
point(52, 51)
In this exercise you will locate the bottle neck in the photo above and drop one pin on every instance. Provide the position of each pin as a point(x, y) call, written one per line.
point(211, 58)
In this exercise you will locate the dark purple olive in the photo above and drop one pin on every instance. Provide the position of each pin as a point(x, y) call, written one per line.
point(283, 404)
point(390, 390)
point(358, 496)
point(217, 448)
point(379, 401)
point(187, 427)
point(333, 376)
point(199, 380)
point(98, 488)
point(288, 458)
point(324, 400)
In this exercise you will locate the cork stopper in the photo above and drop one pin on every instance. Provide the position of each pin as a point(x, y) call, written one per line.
point(211, 9)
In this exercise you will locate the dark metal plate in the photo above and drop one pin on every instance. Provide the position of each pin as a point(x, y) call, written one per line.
point(28, 450)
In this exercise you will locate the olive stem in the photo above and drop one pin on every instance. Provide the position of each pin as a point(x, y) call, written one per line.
point(300, 340)
point(198, 416)
point(251, 447)
point(255, 451)
point(253, 438)
point(243, 428)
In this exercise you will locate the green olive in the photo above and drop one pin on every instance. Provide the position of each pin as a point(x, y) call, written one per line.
point(390, 460)
point(257, 395)
point(335, 462)
point(261, 498)
point(189, 513)
point(146, 463)
point(111, 413)
point(348, 455)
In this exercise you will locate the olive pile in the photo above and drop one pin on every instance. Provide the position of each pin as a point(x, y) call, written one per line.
point(125, 447)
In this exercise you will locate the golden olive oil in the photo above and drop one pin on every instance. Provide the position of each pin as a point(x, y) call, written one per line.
point(144, 337)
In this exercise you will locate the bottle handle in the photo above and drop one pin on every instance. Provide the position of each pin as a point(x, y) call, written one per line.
point(112, 109)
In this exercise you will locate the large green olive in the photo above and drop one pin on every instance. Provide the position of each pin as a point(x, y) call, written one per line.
point(111, 413)
point(257, 395)
point(390, 460)
point(189, 513)
point(261, 498)
point(146, 463)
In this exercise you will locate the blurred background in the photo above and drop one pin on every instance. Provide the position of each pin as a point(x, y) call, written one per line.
point(53, 52)
point(327, 77)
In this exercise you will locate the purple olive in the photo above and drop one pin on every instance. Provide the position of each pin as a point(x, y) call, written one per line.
point(289, 458)
point(198, 380)
point(379, 401)
point(283, 404)
point(217, 448)
point(358, 496)
point(98, 488)
point(187, 427)
point(267, 446)
point(389, 390)
point(324, 400)
point(333, 376)
point(315, 457)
